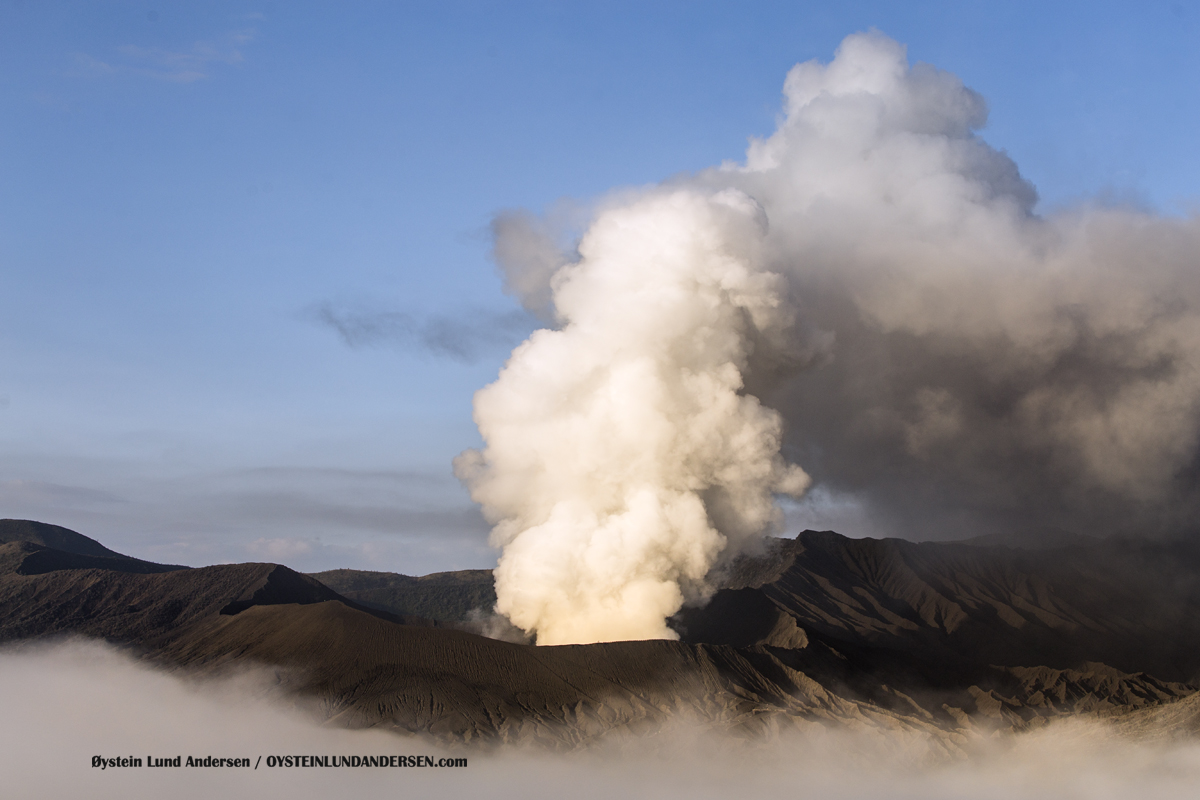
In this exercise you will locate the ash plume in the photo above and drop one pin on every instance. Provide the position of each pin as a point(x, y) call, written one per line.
point(870, 294)
point(623, 457)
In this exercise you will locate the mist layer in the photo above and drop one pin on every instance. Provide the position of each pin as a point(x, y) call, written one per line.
point(68, 703)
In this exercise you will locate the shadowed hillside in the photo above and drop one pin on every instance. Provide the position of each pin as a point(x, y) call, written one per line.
point(1133, 605)
point(45, 592)
point(444, 596)
point(56, 536)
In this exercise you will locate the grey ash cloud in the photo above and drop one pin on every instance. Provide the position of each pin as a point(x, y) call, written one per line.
point(962, 361)
point(466, 337)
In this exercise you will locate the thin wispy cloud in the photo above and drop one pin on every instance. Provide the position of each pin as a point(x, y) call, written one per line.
point(174, 66)
point(464, 337)
point(16, 492)
point(308, 517)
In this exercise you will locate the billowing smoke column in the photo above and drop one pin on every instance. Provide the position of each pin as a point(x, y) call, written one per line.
point(990, 369)
point(873, 282)
point(622, 456)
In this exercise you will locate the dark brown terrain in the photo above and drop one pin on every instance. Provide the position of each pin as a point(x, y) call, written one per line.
point(1131, 604)
point(943, 638)
point(442, 596)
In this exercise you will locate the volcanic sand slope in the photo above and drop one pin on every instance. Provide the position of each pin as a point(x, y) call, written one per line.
point(1167, 721)
point(463, 687)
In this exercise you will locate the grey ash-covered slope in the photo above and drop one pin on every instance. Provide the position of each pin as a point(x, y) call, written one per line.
point(1133, 605)
point(820, 630)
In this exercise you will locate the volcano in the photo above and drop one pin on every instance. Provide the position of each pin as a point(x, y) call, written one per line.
point(944, 638)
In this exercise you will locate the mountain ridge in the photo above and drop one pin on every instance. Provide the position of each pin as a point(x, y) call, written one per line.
point(819, 630)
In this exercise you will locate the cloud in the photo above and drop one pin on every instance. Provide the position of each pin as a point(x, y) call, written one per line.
point(66, 703)
point(623, 461)
point(174, 66)
point(466, 337)
point(284, 507)
point(69, 702)
point(528, 252)
point(320, 519)
point(407, 521)
point(870, 297)
point(283, 551)
point(408, 555)
point(22, 492)
point(989, 368)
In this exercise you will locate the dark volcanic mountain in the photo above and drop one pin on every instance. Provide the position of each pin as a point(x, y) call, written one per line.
point(442, 596)
point(823, 629)
point(45, 592)
point(1130, 604)
point(56, 536)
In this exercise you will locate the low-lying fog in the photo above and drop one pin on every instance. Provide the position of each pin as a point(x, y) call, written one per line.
point(67, 702)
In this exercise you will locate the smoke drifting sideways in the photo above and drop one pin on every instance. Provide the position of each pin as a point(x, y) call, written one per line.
point(69, 702)
point(465, 337)
point(870, 295)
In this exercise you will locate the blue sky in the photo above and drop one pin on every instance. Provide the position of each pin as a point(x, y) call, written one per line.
point(188, 190)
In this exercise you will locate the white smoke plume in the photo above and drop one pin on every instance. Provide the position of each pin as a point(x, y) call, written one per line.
point(622, 457)
point(872, 294)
